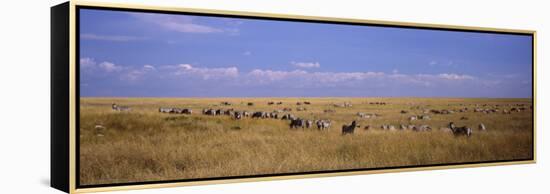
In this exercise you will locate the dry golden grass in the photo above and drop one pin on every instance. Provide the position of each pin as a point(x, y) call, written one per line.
point(145, 145)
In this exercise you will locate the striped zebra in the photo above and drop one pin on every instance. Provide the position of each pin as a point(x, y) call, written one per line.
point(116, 107)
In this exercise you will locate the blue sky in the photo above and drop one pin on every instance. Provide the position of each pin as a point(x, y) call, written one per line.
point(131, 54)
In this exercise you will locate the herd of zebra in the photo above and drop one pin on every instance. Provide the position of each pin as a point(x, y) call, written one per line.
point(325, 124)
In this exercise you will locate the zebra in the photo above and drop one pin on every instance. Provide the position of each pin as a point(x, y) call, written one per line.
point(165, 110)
point(323, 124)
point(460, 130)
point(116, 107)
point(295, 123)
point(309, 123)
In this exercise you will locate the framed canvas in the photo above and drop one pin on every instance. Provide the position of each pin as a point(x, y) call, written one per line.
point(148, 97)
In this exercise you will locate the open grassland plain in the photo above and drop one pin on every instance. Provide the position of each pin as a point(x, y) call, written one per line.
point(143, 144)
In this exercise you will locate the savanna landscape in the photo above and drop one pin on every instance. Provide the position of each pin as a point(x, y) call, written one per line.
point(166, 96)
point(136, 141)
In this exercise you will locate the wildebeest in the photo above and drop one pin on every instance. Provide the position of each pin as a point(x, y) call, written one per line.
point(116, 107)
point(279, 103)
point(287, 109)
point(307, 102)
point(226, 103)
point(460, 130)
point(295, 123)
point(404, 112)
point(270, 103)
point(323, 124)
point(298, 103)
point(349, 129)
point(250, 104)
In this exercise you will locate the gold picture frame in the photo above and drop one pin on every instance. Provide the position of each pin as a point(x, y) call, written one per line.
point(67, 182)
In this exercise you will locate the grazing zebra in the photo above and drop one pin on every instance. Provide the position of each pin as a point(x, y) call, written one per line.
point(165, 110)
point(120, 108)
point(421, 128)
point(460, 130)
point(349, 129)
point(295, 123)
point(323, 124)
point(288, 117)
point(238, 115)
point(425, 117)
point(259, 114)
point(209, 112)
point(309, 123)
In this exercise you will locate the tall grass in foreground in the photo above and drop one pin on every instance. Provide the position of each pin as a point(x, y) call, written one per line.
point(144, 145)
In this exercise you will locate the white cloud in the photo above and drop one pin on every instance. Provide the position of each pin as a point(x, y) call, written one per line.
point(115, 38)
point(109, 67)
point(136, 74)
point(203, 72)
point(149, 67)
point(178, 23)
point(294, 78)
point(453, 76)
point(306, 64)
